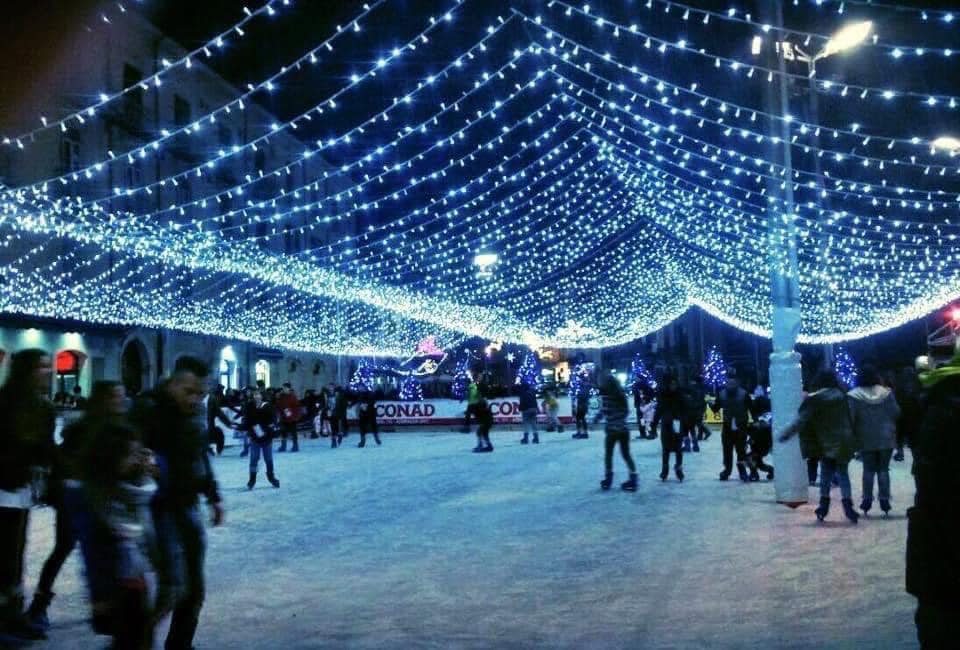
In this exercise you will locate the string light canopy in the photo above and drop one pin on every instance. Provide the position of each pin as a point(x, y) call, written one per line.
point(601, 176)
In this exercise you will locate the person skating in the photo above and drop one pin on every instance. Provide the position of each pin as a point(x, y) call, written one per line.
point(259, 422)
point(933, 556)
point(552, 408)
point(75, 460)
point(615, 409)
point(698, 396)
point(528, 412)
point(824, 427)
point(367, 417)
point(26, 451)
point(874, 413)
point(118, 478)
point(215, 405)
point(581, 404)
point(671, 408)
point(289, 413)
point(338, 417)
point(692, 417)
point(760, 434)
point(167, 419)
point(735, 403)
point(485, 422)
point(473, 398)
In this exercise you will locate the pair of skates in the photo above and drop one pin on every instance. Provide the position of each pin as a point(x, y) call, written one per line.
point(630, 485)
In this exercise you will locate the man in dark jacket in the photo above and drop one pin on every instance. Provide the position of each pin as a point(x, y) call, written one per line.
point(26, 447)
point(735, 402)
point(167, 419)
point(215, 404)
point(933, 557)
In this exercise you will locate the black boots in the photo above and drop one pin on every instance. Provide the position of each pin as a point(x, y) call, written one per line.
point(885, 506)
point(824, 508)
point(273, 480)
point(37, 612)
point(866, 504)
point(679, 471)
point(848, 510)
point(252, 481)
point(630, 485)
point(607, 481)
point(742, 471)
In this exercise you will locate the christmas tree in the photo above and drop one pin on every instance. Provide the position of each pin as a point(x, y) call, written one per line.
point(846, 369)
point(640, 375)
point(461, 379)
point(714, 370)
point(363, 378)
point(529, 372)
point(411, 390)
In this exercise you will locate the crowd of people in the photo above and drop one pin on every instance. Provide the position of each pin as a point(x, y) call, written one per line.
point(127, 480)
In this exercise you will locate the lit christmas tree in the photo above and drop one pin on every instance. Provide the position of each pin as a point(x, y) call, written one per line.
point(411, 390)
point(461, 379)
point(714, 370)
point(640, 375)
point(845, 368)
point(529, 372)
point(363, 378)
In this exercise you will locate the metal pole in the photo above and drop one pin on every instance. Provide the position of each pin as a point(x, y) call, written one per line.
point(785, 375)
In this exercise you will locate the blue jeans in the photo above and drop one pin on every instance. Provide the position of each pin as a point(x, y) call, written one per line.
point(829, 467)
point(876, 463)
point(264, 446)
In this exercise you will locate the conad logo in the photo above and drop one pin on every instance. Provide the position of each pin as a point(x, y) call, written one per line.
point(412, 410)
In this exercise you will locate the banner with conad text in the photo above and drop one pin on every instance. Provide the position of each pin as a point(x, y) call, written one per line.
point(448, 411)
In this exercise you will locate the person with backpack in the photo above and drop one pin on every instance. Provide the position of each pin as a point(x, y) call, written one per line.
point(735, 403)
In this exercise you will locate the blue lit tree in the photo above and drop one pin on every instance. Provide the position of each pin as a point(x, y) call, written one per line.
point(577, 377)
point(846, 369)
point(714, 370)
point(461, 379)
point(640, 375)
point(411, 390)
point(363, 378)
point(529, 372)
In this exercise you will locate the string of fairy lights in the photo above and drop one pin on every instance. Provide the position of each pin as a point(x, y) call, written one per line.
point(615, 191)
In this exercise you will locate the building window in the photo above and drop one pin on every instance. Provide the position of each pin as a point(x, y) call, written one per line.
point(262, 369)
point(181, 111)
point(229, 375)
point(70, 151)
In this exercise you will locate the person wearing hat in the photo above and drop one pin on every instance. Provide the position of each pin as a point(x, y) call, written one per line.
point(735, 403)
point(933, 556)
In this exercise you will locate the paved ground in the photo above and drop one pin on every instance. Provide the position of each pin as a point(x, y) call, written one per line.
point(421, 544)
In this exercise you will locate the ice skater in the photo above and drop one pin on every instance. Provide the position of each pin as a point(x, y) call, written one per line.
point(615, 412)
point(259, 420)
point(552, 407)
point(528, 412)
point(338, 417)
point(481, 410)
point(581, 404)
point(669, 415)
point(367, 417)
point(825, 431)
point(874, 412)
point(735, 403)
point(760, 435)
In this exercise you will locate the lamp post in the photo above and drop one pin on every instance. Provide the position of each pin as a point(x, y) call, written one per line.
point(785, 373)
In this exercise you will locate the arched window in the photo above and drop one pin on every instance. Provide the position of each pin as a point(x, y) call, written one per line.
point(262, 370)
point(229, 375)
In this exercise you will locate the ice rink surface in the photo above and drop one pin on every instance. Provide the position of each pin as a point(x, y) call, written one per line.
point(422, 544)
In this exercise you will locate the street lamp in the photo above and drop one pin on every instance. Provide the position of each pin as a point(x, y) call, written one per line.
point(844, 39)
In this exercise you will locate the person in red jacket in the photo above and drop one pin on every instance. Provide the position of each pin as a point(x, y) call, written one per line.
point(289, 413)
